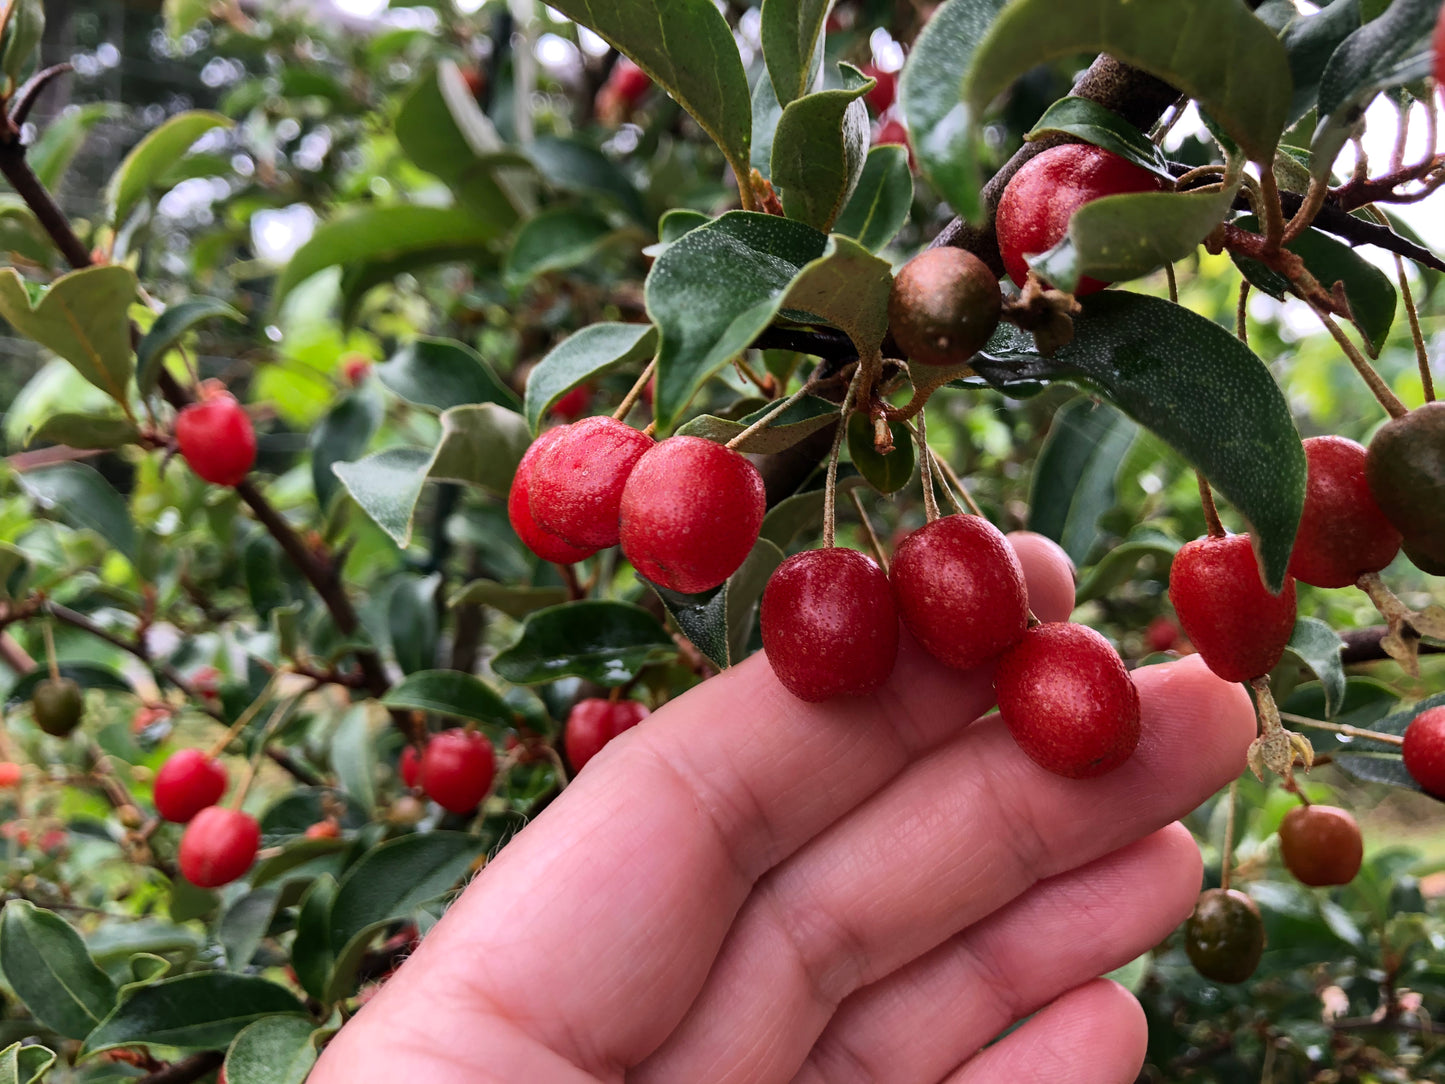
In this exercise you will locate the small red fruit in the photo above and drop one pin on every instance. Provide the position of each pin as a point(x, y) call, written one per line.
point(217, 438)
point(355, 368)
point(148, 717)
point(1440, 52)
point(1321, 845)
point(1227, 612)
point(829, 624)
point(187, 783)
point(960, 590)
point(574, 404)
point(218, 846)
point(519, 510)
point(327, 829)
point(207, 682)
point(1342, 531)
point(575, 491)
point(10, 774)
point(880, 99)
point(457, 769)
point(594, 722)
point(1033, 215)
point(690, 514)
point(1162, 633)
point(1425, 751)
point(1068, 701)
point(629, 81)
point(891, 130)
point(411, 766)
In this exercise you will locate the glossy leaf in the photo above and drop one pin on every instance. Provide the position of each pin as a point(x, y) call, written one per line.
point(745, 592)
point(386, 486)
point(1318, 646)
point(881, 203)
point(606, 642)
point(152, 157)
point(702, 619)
point(87, 675)
point(514, 600)
point(767, 111)
point(82, 497)
point(411, 617)
point(83, 317)
point(14, 568)
point(199, 1011)
point(46, 964)
point(165, 334)
point(1385, 768)
point(1073, 476)
point(800, 421)
point(791, 31)
point(450, 693)
point(585, 355)
point(819, 149)
point(244, 924)
point(84, 431)
point(25, 1064)
point(1118, 564)
point(443, 373)
point(340, 437)
point(555, 240)
point(24, 30)
point(885, 473)
point(274, 1050)
point(1091, 122)
point(1198, 388)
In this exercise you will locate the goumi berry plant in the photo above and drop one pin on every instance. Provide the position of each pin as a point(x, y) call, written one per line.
point(400, 408)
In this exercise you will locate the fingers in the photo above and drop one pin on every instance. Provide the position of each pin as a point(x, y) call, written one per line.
point(937, 1011)
point(1049, 572)
point(1096, 1034)
point(962, 831)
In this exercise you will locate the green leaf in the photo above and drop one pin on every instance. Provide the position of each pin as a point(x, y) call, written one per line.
point(1318, 646)
point(84, 499)
point(1385, 768)
point(25, 1064)
point(47, 966)
point(555, 240)
point(386, 486)
point(515, 601)
point(687, 47)
point(1119, 563)
point(606, 642)
point(767, 111)
point(848, 286)
point(383, 234)
point(885, 473)
point(311, 953)
point(573, 166)
point(800, 421)
point(1310, 41)
point(152, 157)
point(14, 568)
point(800, 512)
point(353, 757)
point(23, 32)
point(244, 924)
point(1073, 479)
point(340, 437)
point(166, 333)
point(87, 675)
point(451, 693)
point(83, 317)
point(51, 154)
point(881, 203)
point(791, 32)
point(585, 355)
point(940, 124)
point(274, 1050)
point(443, 373)
point(411, 616)
point(1215, 51)
point(84, 431)
point(1195, 385)
point(200, 1011)
point(1086, 119)
point(1377, 56)
point(819, 149)
point(702, 619)
point(745, 591)
point(21, 234)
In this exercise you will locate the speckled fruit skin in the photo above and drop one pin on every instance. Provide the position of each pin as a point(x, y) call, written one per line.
point(960, 590)
point(1068, 701)
point(1231, 618)
point(187, 783)
point(691, 510)
point(1321, 845)
point(1039, 200)
point(519, 510)
point(410, 766)
point(457, 769)
point(1425, 751)
point(594, 722)
point(217, 439)
point(58, 706)
point(829, 624)
point(575, 491)
point(1342, 532)
point(944, 305)
point(1405, 467)
point(218, 846)
point(1224, 938)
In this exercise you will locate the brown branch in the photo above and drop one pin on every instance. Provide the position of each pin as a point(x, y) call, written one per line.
point(187, 1069)
point(27, 186)
point(29, 94)
point(1363, 645)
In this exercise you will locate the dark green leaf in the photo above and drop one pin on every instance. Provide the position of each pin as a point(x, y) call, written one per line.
point(14, 568)
point(1370, 58)
point(311, 953)
point(679, 221)
point(167, 331)
point(275, 1050)
point(82, 497)
point(745, 590)
point(341, 436)
point(413, 622)
point(25, 27)
point(582, 356)
point(576, 167)
point(1318, 646)
point(264, 568)
point(555, 240)
point(87, 675)
point(1086, 119)
point(819, 149)
point(1119, 563)
point(1310, 41)
point(800, 512)
point(245, 923)
point(1377, 768)
point(25, 1064)
point(801, 420)
point(84, 431)
point(443, 373)
point(152, 157)
point(83, 317)
point(353, 756)
point(451, 693)
point(609, 643)
point(885, 473)
point(513, 600)
point(767, 111)
point(47, 966)
point(791, 32)
point(51, 154)
point(880, 204)
point(702, 619)
point(386, 486)
point(200, 1011)
point(1073, 480)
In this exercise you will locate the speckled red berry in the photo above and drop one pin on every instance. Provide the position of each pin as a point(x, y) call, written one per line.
point(519, 510)
point(575, 490)
point(1321, 845)
point(594, 722)
point(1342, 532)
point(410, 766)
point(216, 438)
point(1068, 701)
point(1034, 212)
point(457, 769)
point(960, 590)
point(218, 846)
point(829, 624)
point(690, 513)
point(187, 783)
point(1424, 751)
point(1231, 618)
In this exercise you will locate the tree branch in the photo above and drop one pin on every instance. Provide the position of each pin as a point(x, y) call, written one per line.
point(27, 186)
point(1363, 645)
point(187, 1069)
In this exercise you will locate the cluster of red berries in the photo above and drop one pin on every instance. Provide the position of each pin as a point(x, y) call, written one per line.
point(218, 845)
point(216, 437)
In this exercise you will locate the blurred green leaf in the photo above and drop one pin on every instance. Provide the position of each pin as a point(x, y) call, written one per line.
point(84, 499)
point(413, 622)
point(555, 240)
point(165, 334)
point(1310, 41)
point(514, 600)
point(606, 642)
point(47, 966)
point(576, 167)
point(244, 924)
point(25, 1064)
point(1119, 563)
point(450, 693)
point(443, 373)
point(85, 431)
point(312, 956)
point(1091, 122)
point(149, 159)
point(200, 1011)
point(353, 756)
point(1074, 474)
point(24, 30)
point(1318, 646)
point(340, 437)
point(63, 136)
point(87, 675)
point(881, 202)
point(584, 355)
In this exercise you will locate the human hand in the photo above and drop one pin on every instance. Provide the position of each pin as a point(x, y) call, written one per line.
point(748, 889)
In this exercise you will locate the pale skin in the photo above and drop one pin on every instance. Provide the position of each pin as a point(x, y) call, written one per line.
point(747, 889)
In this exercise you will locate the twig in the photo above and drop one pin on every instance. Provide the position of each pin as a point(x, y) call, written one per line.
point(925, 469)
point(1212, 525)
point(1343, 728)
point(1421, 358)
point(29, 94)
point(778, 408)
point(187, 1069)
point(1226, 857)
point(636, 392)
point(830, 485)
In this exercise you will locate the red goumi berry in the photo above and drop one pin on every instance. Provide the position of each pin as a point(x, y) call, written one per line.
point(880, 99)
point(216, 438)
point(519, 510)
point(1342, 532)
point(1034, 213)
point(1231, 618)
point(410, 766)
point(690, 513)
point(575, 491)
point(1425, 751)
point(457, 769)
point(1068, 701)
point(218, 846)
point(187, 783)
point(829, 624)
point(594, 722)
point(573, 405)
point(1321, 845)
point(960, 590)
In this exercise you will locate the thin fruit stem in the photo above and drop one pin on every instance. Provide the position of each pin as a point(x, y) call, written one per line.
point(747, 372)
point(868, 529)
point(1226, 857)
point(1273, 212)
point(1402, 136)
point(925, 470)
point(45, 627)
point(1212, 525)
point(1173, 283)
point(830, 487)
point(1313, 201)
point(278, 717)
point(1372, 379)
point(1344, 728)
point(957, 483)
point(1420, 356)
point(557, 766)
point(1241, 313)
point(782, 405)
point(244, 719)
point(630, 399)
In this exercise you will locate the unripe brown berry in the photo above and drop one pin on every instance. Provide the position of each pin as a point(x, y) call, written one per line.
point(1321, 845)
point(944, 306)
point(1225, 936)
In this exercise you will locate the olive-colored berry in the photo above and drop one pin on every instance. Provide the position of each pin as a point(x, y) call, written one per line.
point(1225, 936)
point(1405, 467)
point(1321, 845)
point(944, 306)
point(58, 706)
